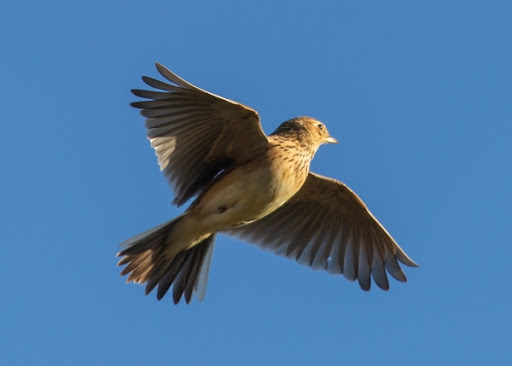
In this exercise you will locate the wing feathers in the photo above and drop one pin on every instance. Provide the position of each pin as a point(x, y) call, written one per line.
point(185, 125)
point(325, 225)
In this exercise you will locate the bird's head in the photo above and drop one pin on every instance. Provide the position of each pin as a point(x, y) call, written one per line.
point(317, 130)
point(307, 128)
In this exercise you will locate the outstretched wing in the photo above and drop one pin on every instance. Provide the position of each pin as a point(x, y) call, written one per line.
point(327, 226)
point(196, 134)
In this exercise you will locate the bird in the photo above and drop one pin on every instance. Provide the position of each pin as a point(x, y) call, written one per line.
point(249, 185)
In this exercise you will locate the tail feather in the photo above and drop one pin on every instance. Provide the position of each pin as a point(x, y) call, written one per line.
point(202, 278)
point(149, 262)
point(188, 280)
point(165, 282)
point(149, 239)
point(184, 277)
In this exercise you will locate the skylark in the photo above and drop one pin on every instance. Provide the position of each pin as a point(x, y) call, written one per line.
point(250, 185)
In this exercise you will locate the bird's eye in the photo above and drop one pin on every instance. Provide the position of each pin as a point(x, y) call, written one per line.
point(320, 126)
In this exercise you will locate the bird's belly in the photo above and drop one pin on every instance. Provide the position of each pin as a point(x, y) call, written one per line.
point(244, 195)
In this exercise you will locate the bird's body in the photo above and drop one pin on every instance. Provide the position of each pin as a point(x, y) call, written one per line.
point(243, 178)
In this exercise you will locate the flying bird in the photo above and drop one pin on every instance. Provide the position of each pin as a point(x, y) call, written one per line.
point(250, 185)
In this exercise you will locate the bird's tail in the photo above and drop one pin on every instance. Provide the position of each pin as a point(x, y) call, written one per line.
point(148, 259)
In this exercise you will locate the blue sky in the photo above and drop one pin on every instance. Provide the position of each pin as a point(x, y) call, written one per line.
point(418, 93)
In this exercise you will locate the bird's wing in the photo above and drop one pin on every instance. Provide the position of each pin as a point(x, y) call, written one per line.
point(196, 134)
point(327, 226)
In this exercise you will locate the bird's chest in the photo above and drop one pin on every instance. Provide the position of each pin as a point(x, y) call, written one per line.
point(289, 167)
point(288, 176)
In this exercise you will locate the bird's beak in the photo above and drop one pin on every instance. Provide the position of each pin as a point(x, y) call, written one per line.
point(331, 140)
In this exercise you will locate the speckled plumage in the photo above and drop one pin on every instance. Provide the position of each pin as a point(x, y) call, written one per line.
point(252, 186)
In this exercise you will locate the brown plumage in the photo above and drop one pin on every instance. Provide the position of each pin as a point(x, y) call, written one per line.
point(250, 185)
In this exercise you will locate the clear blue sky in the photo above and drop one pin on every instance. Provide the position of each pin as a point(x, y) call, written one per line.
point(418, 93)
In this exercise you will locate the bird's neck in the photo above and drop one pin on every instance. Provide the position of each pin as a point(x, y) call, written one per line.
point(294, 144)
point(296, 138)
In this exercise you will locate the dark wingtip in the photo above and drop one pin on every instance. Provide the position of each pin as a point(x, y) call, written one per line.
point(176, 297)
point(413, 264)
point(382, 286)
point(123, 261)
point(404, 258)
point(148, 289)
point(147, 79)
point(138, 92)
point(136, 105)
point(161, 68)
point(159, 296)
point(365, 284)
point(400, 277)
